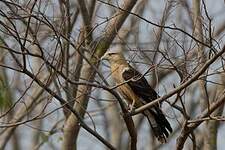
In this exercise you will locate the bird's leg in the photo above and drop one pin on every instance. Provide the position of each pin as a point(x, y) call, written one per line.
point(131, 106)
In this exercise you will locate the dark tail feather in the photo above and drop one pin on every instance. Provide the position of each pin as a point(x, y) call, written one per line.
point(159, 123)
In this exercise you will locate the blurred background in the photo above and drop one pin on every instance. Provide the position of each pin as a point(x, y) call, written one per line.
point(53, 84)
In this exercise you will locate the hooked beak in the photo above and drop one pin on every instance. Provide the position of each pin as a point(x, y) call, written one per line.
point(105, 57)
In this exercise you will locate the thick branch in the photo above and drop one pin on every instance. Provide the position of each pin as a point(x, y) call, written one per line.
point(72, 127)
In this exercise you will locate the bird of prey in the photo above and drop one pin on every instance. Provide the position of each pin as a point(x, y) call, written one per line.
point(135, 89)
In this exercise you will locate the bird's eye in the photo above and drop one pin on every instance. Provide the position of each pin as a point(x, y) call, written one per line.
point(110, 54)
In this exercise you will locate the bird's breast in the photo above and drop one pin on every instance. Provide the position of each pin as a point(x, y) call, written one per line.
point(127, 93)
point(123, 88)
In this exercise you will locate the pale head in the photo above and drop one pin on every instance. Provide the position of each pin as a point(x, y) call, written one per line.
point(113, 56)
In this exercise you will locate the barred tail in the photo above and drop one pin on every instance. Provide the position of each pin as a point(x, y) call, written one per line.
point(159, 123)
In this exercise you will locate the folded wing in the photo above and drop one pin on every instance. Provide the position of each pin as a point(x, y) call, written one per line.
point(142, 89)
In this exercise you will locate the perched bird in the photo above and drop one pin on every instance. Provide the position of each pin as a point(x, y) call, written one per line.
point(135, 89)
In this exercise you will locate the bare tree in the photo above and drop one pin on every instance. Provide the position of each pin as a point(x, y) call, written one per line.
point(56, 93)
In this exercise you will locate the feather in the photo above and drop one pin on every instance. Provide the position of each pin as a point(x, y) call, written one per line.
point(141, 88)
point(135, 88)
point(139, 85)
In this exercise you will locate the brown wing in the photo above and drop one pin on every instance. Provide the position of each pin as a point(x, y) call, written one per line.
point(139, 85)
point(141, 88)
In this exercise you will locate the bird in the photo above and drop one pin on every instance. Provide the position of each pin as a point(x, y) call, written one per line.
point(134, 88)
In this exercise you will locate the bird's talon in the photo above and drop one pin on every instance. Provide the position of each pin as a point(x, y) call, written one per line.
point(131, 110)
point(126, 114)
